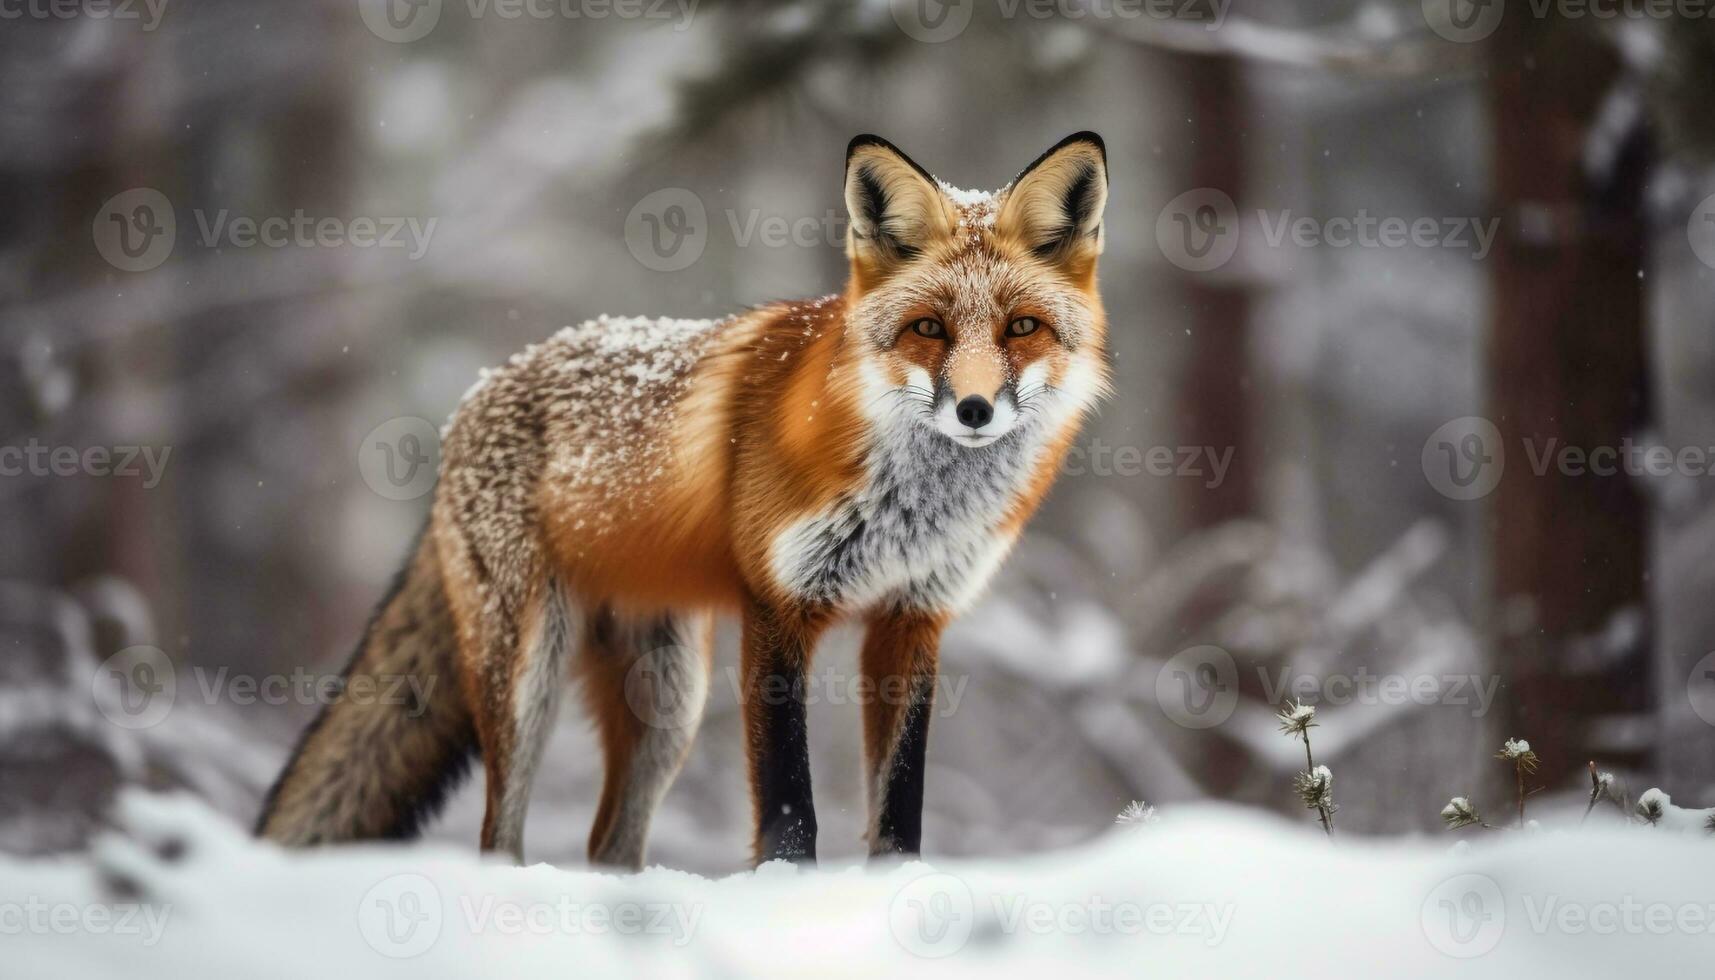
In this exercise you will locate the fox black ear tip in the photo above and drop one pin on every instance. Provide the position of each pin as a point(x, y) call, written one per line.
point(862, 140)
point(1087, 136)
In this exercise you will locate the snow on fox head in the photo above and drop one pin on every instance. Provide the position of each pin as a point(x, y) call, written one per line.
point(979, 311)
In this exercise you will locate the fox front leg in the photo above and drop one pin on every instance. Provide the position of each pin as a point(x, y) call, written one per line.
point(900, 656)
point(776, 655)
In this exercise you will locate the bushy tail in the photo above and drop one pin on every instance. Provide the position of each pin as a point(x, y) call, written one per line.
point(382, 756)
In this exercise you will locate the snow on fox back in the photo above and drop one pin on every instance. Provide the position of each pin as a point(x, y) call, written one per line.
point(607, 389)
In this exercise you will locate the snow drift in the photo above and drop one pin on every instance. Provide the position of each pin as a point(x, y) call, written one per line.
point(177, 891)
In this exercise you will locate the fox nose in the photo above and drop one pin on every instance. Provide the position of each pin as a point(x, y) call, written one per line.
point(974, 411)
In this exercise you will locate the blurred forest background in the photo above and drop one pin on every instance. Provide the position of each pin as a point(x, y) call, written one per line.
point(534, 143)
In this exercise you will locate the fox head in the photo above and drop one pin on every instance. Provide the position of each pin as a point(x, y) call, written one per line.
point(979, 312)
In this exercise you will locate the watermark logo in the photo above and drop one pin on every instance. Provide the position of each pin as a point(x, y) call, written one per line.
point(134, 231)
point(400, 21)
point(1700, 688)
point(400, 459)
point(933, 915)
point(1464, 459)
point(1463, 21)
point(667, 687)
point(667, 230)
point(401, 916)
point(1198, 688)
point(1464, 916)
point(135, 688)
point(1198, 231)
point(932, 21)
point(1700, 229)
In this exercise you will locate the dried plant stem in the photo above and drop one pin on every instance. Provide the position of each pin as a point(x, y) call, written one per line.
point(1321, 811)
point(1518, 768)
point(1595, 793)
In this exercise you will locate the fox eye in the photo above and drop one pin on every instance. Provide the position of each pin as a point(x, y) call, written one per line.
point(927, 327)
point(1024, 326)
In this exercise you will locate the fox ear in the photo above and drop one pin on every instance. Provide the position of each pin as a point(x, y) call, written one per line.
point(895, 208)
point(1055, 206)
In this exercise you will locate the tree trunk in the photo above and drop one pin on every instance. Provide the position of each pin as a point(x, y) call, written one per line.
point(1567, 364)
point(1215, 382)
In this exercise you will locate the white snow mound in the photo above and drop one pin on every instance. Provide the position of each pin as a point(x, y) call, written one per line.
point(1208, 891)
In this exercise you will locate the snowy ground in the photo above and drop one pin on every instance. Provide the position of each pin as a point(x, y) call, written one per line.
point(176, 891)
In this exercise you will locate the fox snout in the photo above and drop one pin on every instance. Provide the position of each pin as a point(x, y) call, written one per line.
point(975, 420)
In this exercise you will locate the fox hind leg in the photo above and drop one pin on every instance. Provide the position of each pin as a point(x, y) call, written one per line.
point(646, 680)
point(516, 712)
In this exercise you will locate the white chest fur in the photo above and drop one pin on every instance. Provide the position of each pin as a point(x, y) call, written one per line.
point(922, 533)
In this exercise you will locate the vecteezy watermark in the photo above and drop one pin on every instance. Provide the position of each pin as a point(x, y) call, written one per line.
point(1464, 458)
point(1464, 916)
point(666, 688)
point(400, 459)
point(562, 915)
point(1200, 231)
point(36, 459)
point(300, 230)
point(1206, 463)
point(37, 917)
point(1467, 915)
point(936, 21)
point(135, 231)
point(138, 687)
point(1468, 21)
point(1625, 916)
point(934, 915)
point(404, 21)
point(1198, 688)
point(1094, 915)
point(147, 11)
point(1474, 691)
point(403, 916)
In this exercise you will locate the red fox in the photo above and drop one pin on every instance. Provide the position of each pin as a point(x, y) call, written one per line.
point(870, 455)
